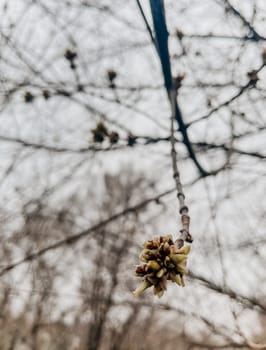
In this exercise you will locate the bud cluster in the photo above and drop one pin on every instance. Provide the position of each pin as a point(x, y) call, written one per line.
point(100, 133)
point(163, 261)
point(111, 75)
point(71, 56)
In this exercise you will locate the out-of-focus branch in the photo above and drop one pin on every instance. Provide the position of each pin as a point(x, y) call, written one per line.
point(253, 33)
point(221, 36)
point(229, 292)
point(248, 85)
point(139, 141)
point(76, 237)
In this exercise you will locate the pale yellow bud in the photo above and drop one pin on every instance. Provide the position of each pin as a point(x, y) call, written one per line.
point(177, 280)
point(160, 273)
point(145, 284)
point(178, 258)
point(184, 250)
point(153, 265)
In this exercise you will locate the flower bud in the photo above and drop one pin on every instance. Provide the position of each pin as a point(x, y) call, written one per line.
point(145, 284)
point(178, 258)
point(148, 254)
point(161, 272)
point(177, 280)
point(153, 265)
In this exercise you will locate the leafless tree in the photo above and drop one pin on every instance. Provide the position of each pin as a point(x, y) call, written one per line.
point(102, 103)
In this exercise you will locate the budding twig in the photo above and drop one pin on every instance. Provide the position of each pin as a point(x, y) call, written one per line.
point(185, 235)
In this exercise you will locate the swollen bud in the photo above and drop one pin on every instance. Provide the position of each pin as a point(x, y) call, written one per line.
point(145, 284)
point(153, 265)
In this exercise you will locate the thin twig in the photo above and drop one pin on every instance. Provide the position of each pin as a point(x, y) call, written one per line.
point(146, 23)
point(183, 209)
